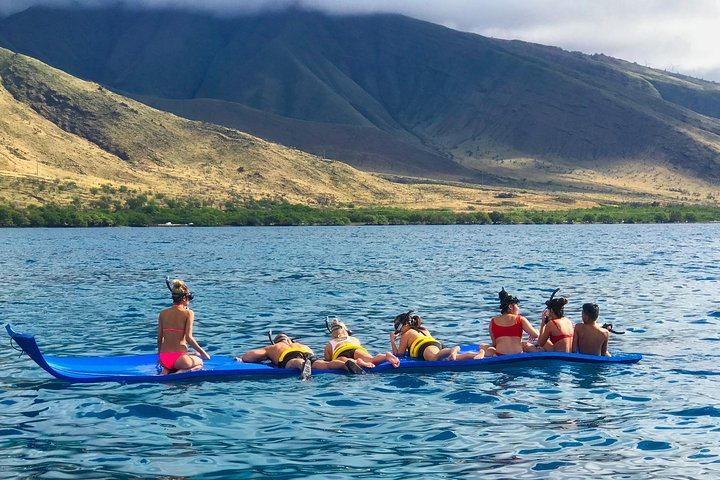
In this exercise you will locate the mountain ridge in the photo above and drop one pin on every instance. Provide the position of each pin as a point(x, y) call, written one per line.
point(399, 97)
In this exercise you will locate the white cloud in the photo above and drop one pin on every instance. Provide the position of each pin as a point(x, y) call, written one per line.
point(676, 35)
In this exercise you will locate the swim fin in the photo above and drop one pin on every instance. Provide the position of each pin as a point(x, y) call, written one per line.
point(306, 370)
point(353, 367)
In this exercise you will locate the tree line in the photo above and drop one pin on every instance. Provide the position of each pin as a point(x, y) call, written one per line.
point(142, 212)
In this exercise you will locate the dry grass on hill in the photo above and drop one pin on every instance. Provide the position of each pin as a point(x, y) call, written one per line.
point(62, 138)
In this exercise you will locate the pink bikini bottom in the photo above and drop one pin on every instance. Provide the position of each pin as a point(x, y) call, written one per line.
point(168, 359)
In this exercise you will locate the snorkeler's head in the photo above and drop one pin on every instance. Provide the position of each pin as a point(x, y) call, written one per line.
point(591, 310)
point(506, 300)
point(336, 327)
point(406, 318)
point(281, 337)
point(557, 306)
point(179, 291)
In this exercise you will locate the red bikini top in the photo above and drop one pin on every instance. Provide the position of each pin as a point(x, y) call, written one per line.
point(557, 338)
point(514, 330)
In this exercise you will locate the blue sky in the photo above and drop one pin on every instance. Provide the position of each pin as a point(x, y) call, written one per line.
point(681, 36)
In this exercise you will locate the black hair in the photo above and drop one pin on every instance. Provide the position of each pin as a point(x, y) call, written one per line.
point(407, 318)
point(591, 310)
point(506, 300)
point(557, 305)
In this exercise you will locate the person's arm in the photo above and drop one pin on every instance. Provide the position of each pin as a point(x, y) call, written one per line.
point(393, 337)
point(327, 354)
point(492, 336)
point(576, 334)
point(530, 330)
point(604, 351)
point(255, 356)
point(159, 335)
point(189, 336)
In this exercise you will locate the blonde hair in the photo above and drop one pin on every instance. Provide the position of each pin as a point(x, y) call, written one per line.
point(336, 326)
point(178, 290)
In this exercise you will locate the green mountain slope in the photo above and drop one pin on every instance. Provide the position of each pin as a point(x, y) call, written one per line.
point(391, 94)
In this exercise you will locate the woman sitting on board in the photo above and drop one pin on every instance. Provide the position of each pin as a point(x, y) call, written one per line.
point(343, 344)
point(175, 332)
point(416, 341)
point(556, 331)
point(506, 329)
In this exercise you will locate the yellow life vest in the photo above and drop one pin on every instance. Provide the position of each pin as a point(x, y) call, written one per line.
point(345, 347)
point(418, 343)
point(290, 350)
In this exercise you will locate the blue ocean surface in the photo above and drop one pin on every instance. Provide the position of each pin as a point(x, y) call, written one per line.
point(98, 292)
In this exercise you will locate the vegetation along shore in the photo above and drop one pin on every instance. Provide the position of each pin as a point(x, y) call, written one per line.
point(273, 213)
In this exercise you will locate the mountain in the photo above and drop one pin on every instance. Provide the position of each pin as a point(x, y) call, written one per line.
point(388, 93)
point(64, 140)
point(61, 138)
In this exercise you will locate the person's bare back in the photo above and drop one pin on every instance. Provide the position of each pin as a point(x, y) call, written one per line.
point(591, 339)
point(588, 337)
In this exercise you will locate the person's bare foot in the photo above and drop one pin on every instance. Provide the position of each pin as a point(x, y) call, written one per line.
point(395, 361)
point(365, 363)
point(480, 355)
point(453, 353)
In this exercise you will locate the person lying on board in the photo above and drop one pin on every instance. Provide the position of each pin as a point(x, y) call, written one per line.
point(284, 352)
point(556, 331)
point(590, 338)
point(506, 329)
point(343, 344)
point(416, 341)
point(175, 332)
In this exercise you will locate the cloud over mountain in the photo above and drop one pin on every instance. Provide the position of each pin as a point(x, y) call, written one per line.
point(677, 36)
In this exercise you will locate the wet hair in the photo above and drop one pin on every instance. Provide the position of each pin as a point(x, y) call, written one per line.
point(506, 300)
point(407, 318)
point(281, 337)
point(179, 291)
point(591, 310)
point(336, 326)
point(557, 305)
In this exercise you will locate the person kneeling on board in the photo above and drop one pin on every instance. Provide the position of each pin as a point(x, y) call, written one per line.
point(284, 352)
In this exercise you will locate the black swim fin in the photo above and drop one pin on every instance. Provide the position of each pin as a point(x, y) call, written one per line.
point(306, 372)
point(353, 367)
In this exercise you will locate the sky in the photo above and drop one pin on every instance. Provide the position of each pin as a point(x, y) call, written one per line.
point(676, 35)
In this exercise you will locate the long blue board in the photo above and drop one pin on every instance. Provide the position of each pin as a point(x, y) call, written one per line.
point(141, 368)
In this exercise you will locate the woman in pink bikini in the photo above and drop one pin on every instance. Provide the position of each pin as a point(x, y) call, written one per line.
point(175, 332)
point(556, 331)
point(506, 329)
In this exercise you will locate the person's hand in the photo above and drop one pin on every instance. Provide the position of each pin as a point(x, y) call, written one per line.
point(393, 336)
point(545, 316)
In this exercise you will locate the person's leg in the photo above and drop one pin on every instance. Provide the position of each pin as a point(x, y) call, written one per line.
point(188, 363)
point(433, 353)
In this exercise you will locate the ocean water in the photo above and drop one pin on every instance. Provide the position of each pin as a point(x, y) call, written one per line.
point(98, 292)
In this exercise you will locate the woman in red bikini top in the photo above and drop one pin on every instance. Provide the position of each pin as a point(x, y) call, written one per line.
point(556, 331)
point(506, 330)
point(175, 332)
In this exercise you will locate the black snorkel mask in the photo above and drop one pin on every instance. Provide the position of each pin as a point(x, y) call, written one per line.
point(609, 328)
point(401, 320)
point(176, 298)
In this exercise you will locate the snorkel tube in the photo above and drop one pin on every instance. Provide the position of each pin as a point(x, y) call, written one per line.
point(547, 304)
point(609, 328)
point(168, 283)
